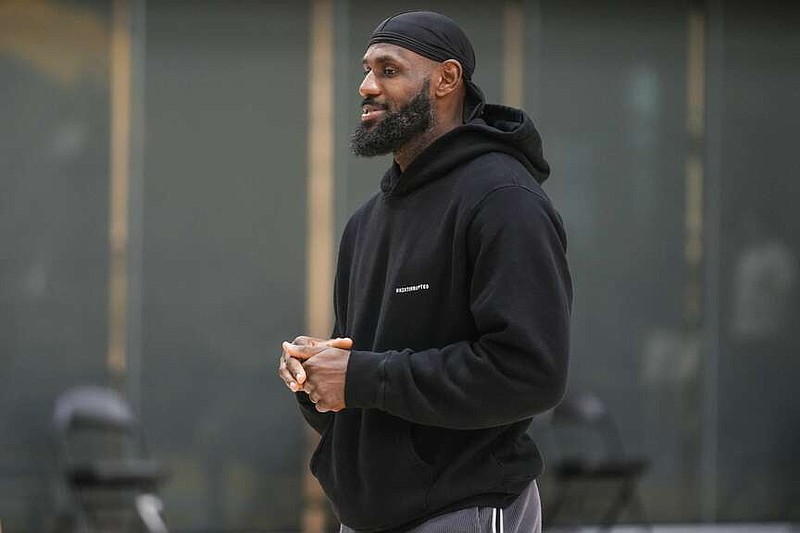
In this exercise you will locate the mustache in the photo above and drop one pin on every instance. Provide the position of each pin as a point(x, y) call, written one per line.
point(374, 103)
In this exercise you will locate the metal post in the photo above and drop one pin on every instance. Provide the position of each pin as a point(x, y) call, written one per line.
point(319, 240)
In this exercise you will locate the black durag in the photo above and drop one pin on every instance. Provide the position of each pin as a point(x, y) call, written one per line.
point(436, 37)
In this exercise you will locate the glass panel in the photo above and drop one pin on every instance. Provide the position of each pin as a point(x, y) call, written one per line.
point(223, 264)
point(759, 370)
point(608, 94)
point(224, 249)
point(54, 159)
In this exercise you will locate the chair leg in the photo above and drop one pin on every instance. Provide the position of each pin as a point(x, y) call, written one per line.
point(618, 504)
point(561, 497)
point(149, 508)
point(81, 515)
point(636, 503)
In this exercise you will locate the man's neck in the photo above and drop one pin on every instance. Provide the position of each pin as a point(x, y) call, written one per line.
point(405, 155)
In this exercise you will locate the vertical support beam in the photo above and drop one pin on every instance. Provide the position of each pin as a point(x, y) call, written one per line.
point(320, 172)
point(695, 162)
point(120, 83)
point(692, 394)
point(319, 256)
point(533, 38)
point(715, 62)
point(136, 28)
point(512, 54)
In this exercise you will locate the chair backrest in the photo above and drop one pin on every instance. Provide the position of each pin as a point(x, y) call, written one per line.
point(94, 423)
point(91, 406)
point(582, 426)
point(103, 468)
point(581, 407)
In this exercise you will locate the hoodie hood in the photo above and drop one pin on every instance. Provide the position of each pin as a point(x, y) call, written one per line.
point(488, 128)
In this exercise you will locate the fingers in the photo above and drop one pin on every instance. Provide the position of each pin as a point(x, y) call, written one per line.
point(324, 407)
point(319, 403)
point(315, 398)
point(302, 352)
point(344, 343)
point(321, 399)
point(304, 340)
point(296, 369)
point(287, 375)
point(290, 367)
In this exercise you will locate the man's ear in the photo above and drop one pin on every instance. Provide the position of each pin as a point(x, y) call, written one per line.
point(449, 77)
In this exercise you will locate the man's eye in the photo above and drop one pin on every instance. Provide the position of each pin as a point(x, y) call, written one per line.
point(389, 71)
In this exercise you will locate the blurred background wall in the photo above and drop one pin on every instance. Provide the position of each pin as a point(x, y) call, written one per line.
point(670, 128)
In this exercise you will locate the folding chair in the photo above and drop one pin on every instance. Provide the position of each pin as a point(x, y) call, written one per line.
point(590, 449)
point(108, 481)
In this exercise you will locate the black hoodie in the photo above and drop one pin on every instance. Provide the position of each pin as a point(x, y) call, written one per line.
point(453, 283)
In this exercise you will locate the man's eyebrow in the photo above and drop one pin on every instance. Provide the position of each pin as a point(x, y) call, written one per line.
point(386, 58)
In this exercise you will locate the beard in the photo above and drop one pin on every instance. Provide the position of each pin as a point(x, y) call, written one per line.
point(396, 129)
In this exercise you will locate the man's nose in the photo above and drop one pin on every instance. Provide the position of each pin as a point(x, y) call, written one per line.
point(368, 86)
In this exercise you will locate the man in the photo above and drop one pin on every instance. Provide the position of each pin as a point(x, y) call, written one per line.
point(452, 301)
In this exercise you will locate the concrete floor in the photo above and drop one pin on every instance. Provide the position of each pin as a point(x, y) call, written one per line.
point(685, 528)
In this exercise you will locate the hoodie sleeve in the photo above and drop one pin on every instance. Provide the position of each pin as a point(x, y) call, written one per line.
point(520, 299)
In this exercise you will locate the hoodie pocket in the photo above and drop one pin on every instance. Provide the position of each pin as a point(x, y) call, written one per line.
point(372, 473)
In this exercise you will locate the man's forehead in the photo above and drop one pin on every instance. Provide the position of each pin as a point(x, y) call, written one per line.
point(387, 51)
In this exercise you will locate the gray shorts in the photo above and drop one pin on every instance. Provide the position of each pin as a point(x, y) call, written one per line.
point(523, 515)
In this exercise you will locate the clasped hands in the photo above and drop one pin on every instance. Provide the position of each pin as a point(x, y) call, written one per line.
point(317, 367)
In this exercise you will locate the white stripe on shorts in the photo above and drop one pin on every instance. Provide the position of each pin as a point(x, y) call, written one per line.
point(523, 515)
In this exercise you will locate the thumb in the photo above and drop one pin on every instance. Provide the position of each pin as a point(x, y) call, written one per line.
point(343, 343)
point(299, 352)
